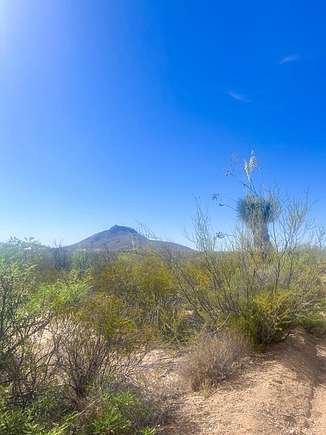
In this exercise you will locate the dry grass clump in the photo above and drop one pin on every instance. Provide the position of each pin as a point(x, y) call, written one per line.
point(214, 358)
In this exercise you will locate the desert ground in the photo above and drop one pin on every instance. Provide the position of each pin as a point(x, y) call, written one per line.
point(279, 392)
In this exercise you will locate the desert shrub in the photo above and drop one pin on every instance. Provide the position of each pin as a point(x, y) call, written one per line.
point(116, 413)
point(26, 355)
point(125, 408)
point(147, 285)
point(81, 262)
point(265, 296)
point(30, 371)
point(121, 414)
point(16, 323)
point(213, 358)
point(26, 252)
point(271, 315)
point(19, 324)
point(95, 342)
point(266, 277)
point(60, 342)
point(29, 252)
point(16, 420)
point(48, 414)
point(19, 422)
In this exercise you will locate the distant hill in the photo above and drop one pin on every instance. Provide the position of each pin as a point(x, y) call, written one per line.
point(121, 238)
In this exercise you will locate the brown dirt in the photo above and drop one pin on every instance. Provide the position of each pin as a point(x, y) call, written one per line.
point(318, 404)
point(278, 393)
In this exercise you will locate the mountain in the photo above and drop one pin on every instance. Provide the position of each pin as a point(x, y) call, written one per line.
point(120, 238)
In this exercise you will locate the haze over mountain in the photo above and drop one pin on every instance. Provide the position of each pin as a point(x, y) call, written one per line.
point(122, 238)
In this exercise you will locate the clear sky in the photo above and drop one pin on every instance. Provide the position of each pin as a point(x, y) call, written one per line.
point(125, 111)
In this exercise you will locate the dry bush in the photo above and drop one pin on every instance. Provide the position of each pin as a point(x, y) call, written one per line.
point(25, 365)
point(159, 391)
point(214, 358)
point(142, 403)
point(31, 370)
point(96, 344)
point(85, 358)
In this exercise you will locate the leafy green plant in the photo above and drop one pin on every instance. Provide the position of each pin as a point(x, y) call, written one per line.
point(268, 317)
point(122, 413)
point(17, 421)
point(146, 283)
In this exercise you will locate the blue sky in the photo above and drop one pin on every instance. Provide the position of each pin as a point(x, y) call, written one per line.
point(125, 111)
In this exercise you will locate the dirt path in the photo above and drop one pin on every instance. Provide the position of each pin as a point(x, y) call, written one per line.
point(318, 404)
point(282, 392)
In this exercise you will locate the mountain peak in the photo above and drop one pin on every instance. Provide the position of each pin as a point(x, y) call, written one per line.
point(122, 229)
point(121, 238)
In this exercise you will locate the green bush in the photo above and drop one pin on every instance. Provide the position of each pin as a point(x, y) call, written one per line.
point(16, 421)
point(265, 296)
point(267, 318)
point(116, 413)
point(122, 414)
point(147, 285)
point(19, 422)
point(91, 339)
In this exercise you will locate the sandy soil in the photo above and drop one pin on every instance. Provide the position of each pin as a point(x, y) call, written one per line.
point(318, 403)
point(281, 392)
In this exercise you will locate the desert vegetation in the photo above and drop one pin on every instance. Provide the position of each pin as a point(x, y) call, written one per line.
point(76, 325)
